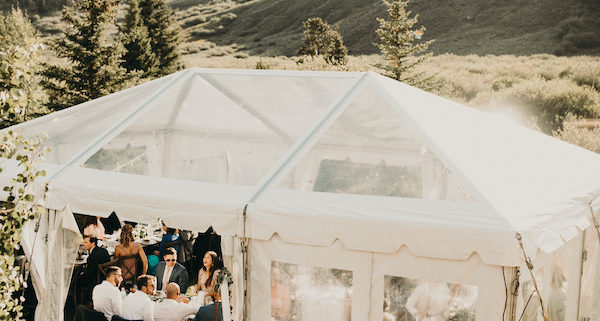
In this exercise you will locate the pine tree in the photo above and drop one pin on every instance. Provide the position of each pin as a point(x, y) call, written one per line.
point(399, 44)
point(93, 66)
point(320, 39)
point(138, 48)
point(164, 34)
point(21, 96)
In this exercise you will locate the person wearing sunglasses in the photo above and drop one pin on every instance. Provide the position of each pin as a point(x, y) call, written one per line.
point(169, 271)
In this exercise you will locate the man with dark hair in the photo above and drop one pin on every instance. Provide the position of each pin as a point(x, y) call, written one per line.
point(138, 305)
point(106, 296)
point(170, 271)
point(98, 255)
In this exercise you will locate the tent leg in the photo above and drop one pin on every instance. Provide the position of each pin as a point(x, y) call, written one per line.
point(513, 294)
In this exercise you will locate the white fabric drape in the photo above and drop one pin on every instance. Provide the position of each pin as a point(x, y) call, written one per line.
point(51, 252)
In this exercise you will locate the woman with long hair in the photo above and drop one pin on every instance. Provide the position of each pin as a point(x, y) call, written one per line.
point(128, 246)
point(207, 276)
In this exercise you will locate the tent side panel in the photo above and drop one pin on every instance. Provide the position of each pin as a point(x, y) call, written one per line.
point(311, 283)
point(404, 284)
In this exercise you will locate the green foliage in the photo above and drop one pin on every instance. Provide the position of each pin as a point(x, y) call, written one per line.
point(93, 66)
point(21, 96)
point(136, 41)
point(164, 34)
point(399, 45)
point(320, 39)
point(14, 213)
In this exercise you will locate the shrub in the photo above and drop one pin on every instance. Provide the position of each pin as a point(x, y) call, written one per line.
point(261, 65)
point(553, 101)
point(192, 21)
point(581, 136)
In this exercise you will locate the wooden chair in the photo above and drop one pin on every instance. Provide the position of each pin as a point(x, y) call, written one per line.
point(87, 313)
point(130, 273)
point(102, 269)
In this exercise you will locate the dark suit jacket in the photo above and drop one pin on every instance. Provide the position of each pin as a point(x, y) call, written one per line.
point(98, 256)
point(179, 276)
point(207, 313)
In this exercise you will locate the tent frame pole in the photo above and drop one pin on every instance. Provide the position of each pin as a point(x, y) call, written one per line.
point(530, 268)
point(244, 244)
point(514, 293)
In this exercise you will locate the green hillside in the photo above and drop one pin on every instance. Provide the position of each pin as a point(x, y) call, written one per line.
point(521, 27)
point(274, 27)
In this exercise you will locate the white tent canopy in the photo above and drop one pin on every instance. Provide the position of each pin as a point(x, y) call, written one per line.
point(319, 158)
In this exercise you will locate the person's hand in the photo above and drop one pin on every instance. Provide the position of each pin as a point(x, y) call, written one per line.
point(182, 298)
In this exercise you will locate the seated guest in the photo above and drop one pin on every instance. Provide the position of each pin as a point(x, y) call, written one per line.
point(170, 271)
point(93, 227)
point(106, 296)
point(129, 247)
point(97, 256)
point(170, 235)
point(211, 312)
point(138, 305)
point(153, 262)
point(207, 276)
point(175, 307)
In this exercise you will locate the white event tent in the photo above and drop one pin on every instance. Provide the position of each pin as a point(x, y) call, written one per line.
point(338, 195)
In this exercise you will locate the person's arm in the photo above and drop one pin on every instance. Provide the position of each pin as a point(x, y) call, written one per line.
point(149, 311)
point(144, 259)
point(116, 302)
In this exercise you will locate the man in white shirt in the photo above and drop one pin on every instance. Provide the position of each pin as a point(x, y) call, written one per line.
point(137, 305)
point(106, 296)
point(174, 307)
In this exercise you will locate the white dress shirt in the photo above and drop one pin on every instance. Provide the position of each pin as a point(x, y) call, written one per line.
point(166, 277)
point(107, 299)
point(138, 306)
point(171, 310)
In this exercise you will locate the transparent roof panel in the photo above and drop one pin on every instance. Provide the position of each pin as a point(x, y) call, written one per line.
point(71, 130)
point(221, 128)
point(370, 150)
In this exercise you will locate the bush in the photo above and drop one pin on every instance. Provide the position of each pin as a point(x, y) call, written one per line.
point(584, 137)
point(588, 77)
point(192, 21)
point(554, 101)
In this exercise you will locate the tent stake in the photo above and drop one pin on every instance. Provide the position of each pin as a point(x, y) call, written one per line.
point(530, 268)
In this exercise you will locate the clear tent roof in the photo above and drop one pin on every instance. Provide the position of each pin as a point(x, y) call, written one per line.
point(220, 126)
point(275, 135)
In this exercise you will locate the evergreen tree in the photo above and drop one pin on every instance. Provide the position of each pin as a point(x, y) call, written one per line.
point(164, 34)
point(399, 44)
point(320, 39)
point(93, 66)
point(137, 44)
point(21, 96)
